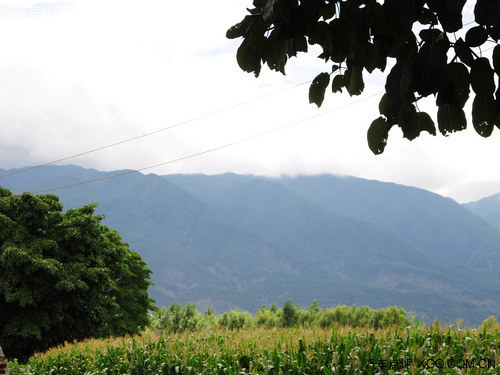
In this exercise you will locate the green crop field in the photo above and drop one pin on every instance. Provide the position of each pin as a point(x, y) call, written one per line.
point(339, 350)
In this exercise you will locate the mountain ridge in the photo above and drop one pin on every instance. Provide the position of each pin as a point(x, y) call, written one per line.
point(239, 241)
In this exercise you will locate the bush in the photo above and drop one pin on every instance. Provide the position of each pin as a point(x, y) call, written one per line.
point(177, 318)
point(490, 324)
point(236, 320)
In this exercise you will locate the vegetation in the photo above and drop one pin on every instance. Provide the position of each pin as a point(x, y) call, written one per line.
point(340, 349)
point(435, 54)
point(243, 241)
point(179, 319)
point(64, 276)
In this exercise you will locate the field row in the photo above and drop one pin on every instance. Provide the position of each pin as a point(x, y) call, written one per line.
point(341, 350)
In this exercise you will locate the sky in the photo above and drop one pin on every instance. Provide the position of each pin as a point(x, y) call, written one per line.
point(76, 75)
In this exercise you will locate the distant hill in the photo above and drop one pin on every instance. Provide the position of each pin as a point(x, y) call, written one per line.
point(403, 225)
point(487, 208)
point(435, 224)
point(233, 241)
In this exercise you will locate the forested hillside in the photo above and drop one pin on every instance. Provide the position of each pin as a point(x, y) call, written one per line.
point(233, 241)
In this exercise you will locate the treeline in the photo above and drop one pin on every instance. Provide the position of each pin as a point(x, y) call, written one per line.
point(178, 318)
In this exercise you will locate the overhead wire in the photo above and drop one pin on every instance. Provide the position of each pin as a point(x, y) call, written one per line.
point(204, 116)
point(178, 124)
point(259, 135)
point(185, 122)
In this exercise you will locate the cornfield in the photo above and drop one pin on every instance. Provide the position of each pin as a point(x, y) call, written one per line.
point(341, 350)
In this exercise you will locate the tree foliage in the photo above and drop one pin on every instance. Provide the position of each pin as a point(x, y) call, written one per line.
point(179, 319)
point(358, 36)
point(64, 276)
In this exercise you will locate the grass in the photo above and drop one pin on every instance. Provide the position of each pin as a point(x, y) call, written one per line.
point(341, 350)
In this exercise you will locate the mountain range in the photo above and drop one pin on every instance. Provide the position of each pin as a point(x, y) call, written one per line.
point(238, 241)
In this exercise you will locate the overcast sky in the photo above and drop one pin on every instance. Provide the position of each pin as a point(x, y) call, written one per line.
point(77, 75)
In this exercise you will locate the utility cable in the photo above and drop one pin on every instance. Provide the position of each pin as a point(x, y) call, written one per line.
point(156, 131)
point(165, 128)
point(202, 152)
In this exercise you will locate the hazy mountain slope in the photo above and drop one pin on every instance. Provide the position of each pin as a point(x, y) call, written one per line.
point(260, 242)
point(487, 208)
point(428, 221)
point(196, 253)
point(351, 250)
point(433, 223)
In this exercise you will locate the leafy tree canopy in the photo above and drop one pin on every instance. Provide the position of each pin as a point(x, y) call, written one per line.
point(360, 35)
point(64, 276)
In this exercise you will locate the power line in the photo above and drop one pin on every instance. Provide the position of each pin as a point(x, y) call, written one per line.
point(167, 127)
point(202, 152)
point(155, 131)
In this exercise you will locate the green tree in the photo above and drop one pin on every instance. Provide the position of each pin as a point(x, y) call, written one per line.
point(268, 317)
point(64, 276)
point(490, 324)
point(236, 320)
point(434, 52)
point(290, 315)
point(209, 318)
point(179, 319)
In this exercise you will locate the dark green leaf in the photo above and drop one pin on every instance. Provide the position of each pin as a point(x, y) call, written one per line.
point(300, 43)
point(370, 63)
point(430, 63)
point(420, 121)
point(476, 36)
point(429, 34)
point(383, 23)
point(318, 87)
point(487, 12)
point(463, 52)
point(451, 119)
point(454, 86)
point(337, 83)
point(318, 34)
point(329, 10)
point(393, 81)
point(377, 135)
point(407, 14)
point(406, 83)
point(339, 40)
point(494, 31)
point(406, 112)
point(234, 32)
point(449, 13)
point(240, 29)
point(274, 52)
point(249, 54)
point(312, 10)
point(380, 55)
point(496, 59)
point(445, 95)
point(483, 114)
point(389, 108)
point(385, 104)
point(427, 17)
point(354, 79)
point(481, 76)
